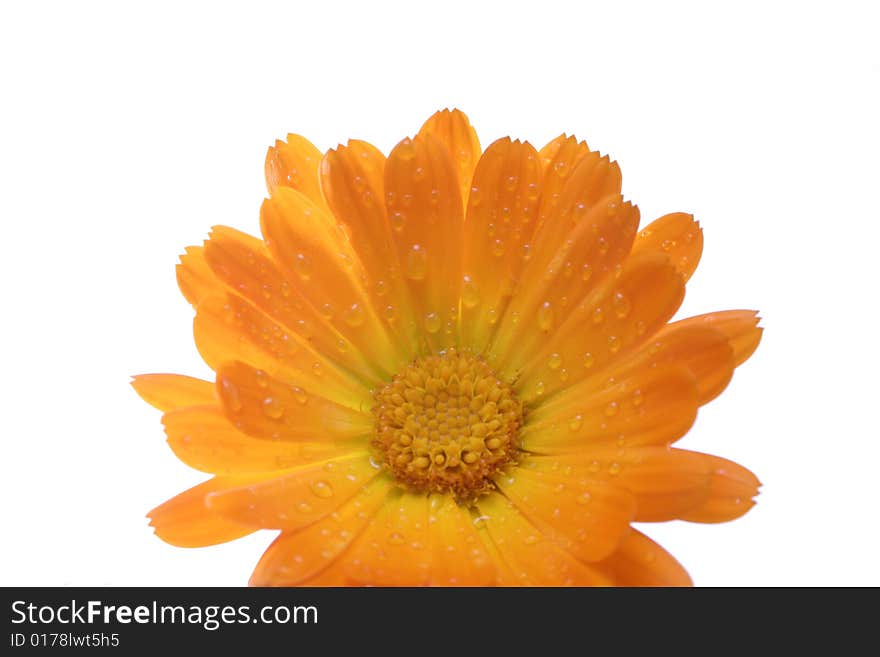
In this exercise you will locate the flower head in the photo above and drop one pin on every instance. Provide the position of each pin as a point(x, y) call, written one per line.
point(449, 367)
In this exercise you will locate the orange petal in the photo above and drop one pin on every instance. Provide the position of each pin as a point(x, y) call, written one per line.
point(646, 406)
point(667, 483)
point(394, 550)
point(639, 561)
point(295, 498)
point(194, 277)
point(640, 301)
point(265, 407)
point(186, 521)
point(244, 265)
point(314, 253)
point(583, 514)
point(459, 558)
point(678, 236)
point(424, 207)
point(301, 555)
point(531, 558)
point(204, 439)
point(562, 277)
point(559, 159)
point(353, 181)
point(501, 215)
point(227, 328)
point(731, 492)
point(170, 391)
point(294, 164)
point(739, 326)
point(454, 131)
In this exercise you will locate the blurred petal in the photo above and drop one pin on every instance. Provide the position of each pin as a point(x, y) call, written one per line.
point(530, 557)
point(739, 326)
point(265, 407)
point(678, 236)
point(245, 266)
point(459, 557)
point(424, 206)
point(599, 331)
point(300, 555)
point(228, 328)
point(204, 439)
point(185, 520)
point(501, 217)
point(170, 391)
point(394, 550)
point(583, 514)
point(353, 181)
point(639, 561)
point(194, 277)
point(295, 498)
point(647, 406)
point(294, 164)
point(453, 129)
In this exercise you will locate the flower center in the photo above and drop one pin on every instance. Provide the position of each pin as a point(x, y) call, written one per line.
point(447, 423)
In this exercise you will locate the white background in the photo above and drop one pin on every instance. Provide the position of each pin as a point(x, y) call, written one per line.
point(126, 132)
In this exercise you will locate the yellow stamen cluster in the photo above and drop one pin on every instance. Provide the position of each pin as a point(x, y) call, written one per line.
point(447, 423)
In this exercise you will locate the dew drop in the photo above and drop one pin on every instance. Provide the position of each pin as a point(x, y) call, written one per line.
point(598, 315)
point(612, 409)
point(526, 252)
point(546, 316)
point(262, 379)
point(405, 150)
point(470, 295)
point(231, 395)
point(614, 469)
point(475, 197)
point(354, 315)
point(621, 304)
point(272, 408)
point(539, 388)
point(299, 395)
point(304, 507)
point(326, 311)
point(381, 288)
point(554, 362)
point(613, 344)
point(638, 398)
point(588, 360)
point(395, 538)
point(561, 169)
point(417, 263)
point(586, 272)
point(576, 423)
point(432, 322)
point(667, 245)
point(497, 248)
point(303, 266)
point(390, 312)
point(419, 174)
point(317, 370)
point(584, 498)
point(398, 220)
point(492, 316)
point(510, 183)
point(322, 489)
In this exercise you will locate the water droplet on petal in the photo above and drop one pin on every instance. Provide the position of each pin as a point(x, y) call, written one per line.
point(398, 220)
point(554, 362)
point(497, 247)
point(302, 264)
point(354, 315)
point(417, 263)
point(588, 360)
point(299, 395)
point(470, 295)
point(262, 378)
point(621, 304)
point(432, 322)
point(576, 423)
point(272, 408)
point(612, 409)
point(546, 316)
point(322, 489)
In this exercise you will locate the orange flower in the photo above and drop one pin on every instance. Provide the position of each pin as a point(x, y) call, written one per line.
point(449, 367)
